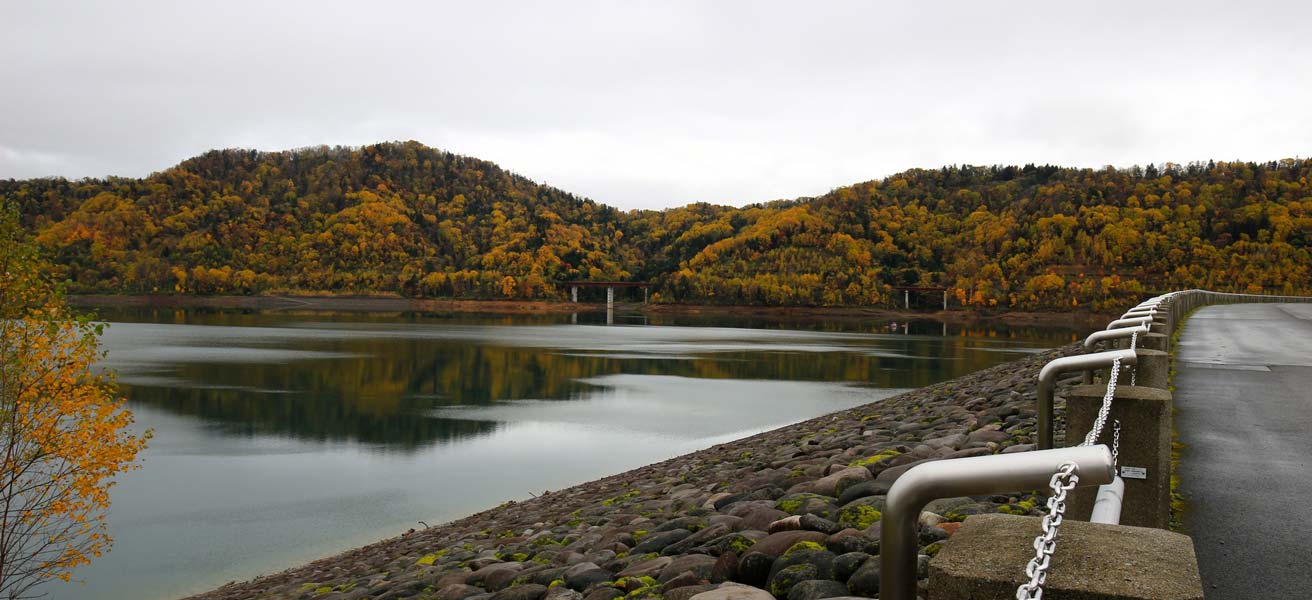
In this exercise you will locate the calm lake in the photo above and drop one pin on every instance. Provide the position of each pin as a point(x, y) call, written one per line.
point(281, 438)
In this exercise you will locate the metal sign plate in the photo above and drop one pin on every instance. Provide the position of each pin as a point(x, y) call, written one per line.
point(1134, 472)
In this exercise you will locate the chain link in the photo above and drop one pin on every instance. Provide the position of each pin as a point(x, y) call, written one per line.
point(1134, 372)
point(1116, 442)
point(1106, 407)
point(1062, 482)
point(1045, 544)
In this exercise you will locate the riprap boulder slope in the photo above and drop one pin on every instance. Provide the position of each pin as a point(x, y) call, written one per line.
point(792, 513)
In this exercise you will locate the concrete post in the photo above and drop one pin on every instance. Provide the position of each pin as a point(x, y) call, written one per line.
point(574, 294)
point(986, 558)
point(1166, 319)
point(1149, 341)
point(906, 294)
point(644, 295)
point(610, 305)
point(945, 299)
point(1153, 370)
point(1145, 416)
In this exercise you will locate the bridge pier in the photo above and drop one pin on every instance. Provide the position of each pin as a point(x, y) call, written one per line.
point(610, 305)
point(610, 289)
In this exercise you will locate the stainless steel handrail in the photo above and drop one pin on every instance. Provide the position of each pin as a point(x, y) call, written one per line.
point(992, 474)
point(1107, 504)
point(1031, 470)
point(1080, 362)
point(1118, 323)
point(1113, 334)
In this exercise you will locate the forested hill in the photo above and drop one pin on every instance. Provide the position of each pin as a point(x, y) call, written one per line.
point(401, 217)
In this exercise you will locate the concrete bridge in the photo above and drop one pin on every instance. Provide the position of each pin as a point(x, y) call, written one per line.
point(906, 294)
point(1243, 371)
point(610, 289)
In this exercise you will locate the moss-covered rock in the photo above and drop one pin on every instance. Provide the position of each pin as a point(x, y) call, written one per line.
point(875, 458)
point(858, 516)
point(783, 580)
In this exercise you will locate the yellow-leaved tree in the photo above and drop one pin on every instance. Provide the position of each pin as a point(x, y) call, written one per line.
point(64, 435)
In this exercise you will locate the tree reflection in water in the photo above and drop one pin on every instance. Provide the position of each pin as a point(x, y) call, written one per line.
point(380, 380)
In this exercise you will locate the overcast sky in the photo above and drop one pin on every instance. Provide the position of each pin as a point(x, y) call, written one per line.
point(654, 104)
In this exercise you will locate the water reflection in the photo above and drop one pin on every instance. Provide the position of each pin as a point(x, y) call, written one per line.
point(391, 383)
point(281, 438)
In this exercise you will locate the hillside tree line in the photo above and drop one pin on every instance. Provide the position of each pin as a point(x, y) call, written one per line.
point(404, 218)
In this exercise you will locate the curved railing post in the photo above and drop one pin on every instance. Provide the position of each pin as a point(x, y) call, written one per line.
point(1113, 334)
point(1131, 322)
point(1048, 378)
point(992, 474)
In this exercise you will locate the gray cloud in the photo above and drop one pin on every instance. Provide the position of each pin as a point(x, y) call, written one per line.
point(650, 104)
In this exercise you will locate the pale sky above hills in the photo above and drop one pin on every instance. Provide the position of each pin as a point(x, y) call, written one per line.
point(654, 104)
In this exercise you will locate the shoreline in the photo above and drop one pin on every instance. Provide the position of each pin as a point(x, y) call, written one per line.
point(364, 304)
point(727, 515)
point(394, 304)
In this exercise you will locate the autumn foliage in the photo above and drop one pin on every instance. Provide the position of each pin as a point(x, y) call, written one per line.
point(63, 434)
point(403, 218)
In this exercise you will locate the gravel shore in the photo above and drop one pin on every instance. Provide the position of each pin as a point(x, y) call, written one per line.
point(791, 513)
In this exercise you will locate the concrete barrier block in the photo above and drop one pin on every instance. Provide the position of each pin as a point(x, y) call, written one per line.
point(986, 558)
point(1145, 415)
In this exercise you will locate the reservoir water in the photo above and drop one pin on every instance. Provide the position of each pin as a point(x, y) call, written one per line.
point(280, 438)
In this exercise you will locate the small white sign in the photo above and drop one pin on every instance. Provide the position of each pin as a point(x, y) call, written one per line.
point(1134, 472)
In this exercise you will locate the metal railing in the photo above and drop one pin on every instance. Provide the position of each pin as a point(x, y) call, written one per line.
point(1114, 334)
point(1080, 362)
point(1094, 464)
point(965, 477)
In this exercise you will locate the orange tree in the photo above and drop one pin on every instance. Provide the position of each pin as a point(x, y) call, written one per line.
point(64, 436)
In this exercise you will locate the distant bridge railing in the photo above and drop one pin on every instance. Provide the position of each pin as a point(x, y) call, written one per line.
point(1140, 340)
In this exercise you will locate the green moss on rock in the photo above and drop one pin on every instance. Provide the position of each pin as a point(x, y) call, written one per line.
point(802, 546)
point(870, 460)
point(858, 516)
point(741, 545)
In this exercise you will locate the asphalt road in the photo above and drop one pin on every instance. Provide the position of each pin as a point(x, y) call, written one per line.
point(1244, 399)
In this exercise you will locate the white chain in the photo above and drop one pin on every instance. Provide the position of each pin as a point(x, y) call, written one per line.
point(1045, 544)
point(1134, 373)
point(1106, 407)
point(1063, 481)
point(1116, 442)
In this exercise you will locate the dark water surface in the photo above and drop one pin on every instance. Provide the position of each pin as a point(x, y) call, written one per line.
point(281, 438)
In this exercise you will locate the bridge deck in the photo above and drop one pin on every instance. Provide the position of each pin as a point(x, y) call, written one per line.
point(1244, 395)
